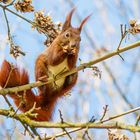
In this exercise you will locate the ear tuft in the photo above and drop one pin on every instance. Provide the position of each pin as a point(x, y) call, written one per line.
point(67, 22)
point(83, 22)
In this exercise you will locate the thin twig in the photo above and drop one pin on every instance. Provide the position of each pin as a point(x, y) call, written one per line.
point(137, 120)
point(35, 132)
point(104, 113)
point(86, 134)
point(14, 49)
point(27, 129)
point(7, 101)
point(62, 121)
point(10, 4)
point(122, 114)
point(123, 35)
point(124, 32)
point(4, 96)
point(136, 124)
point(15, 112)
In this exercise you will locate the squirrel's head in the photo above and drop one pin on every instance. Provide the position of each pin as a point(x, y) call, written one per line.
point(69, 37)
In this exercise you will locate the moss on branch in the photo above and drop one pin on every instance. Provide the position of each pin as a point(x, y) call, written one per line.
point(99, 125)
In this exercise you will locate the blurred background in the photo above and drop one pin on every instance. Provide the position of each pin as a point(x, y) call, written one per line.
point(119, 86)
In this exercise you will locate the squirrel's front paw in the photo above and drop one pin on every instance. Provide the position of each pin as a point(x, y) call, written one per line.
point(69, 51)
point(65, 49)
point(73, 51)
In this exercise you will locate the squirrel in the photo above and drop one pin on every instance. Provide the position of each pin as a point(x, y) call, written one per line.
point(60, 56)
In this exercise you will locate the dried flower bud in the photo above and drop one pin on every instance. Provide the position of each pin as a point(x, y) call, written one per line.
point(44, 24)
point(24, 6)
point(16, 51)
point(134, 27)
point(96, 71)
point(6, 1)
point(116, 135)
point(132, 23)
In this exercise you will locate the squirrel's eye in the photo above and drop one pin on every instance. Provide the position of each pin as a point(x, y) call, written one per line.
point(67, 35)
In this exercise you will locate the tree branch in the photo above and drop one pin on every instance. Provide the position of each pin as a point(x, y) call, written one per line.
point(24, 118)
point(100, 121)
point(81, 67)
point(114, 125)
point(9, 10)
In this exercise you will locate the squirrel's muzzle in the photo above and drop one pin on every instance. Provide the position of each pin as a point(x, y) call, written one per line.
point(73, 44)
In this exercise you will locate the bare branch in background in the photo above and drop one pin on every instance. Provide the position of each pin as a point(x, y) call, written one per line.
point(14, 49)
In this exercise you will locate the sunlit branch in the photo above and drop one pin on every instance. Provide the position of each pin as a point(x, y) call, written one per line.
point(81, 67)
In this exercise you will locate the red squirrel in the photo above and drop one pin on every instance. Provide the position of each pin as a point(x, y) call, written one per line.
point(60, 56)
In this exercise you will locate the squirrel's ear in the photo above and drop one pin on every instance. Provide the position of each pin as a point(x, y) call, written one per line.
point(67, 22)
point(83, 22)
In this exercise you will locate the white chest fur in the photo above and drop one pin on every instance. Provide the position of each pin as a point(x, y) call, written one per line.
point(56, 70)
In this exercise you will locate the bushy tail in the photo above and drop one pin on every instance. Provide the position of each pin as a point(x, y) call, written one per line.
point(12, 76)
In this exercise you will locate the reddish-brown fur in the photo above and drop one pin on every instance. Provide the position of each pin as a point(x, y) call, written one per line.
point(62, 48)
point(18, 78)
